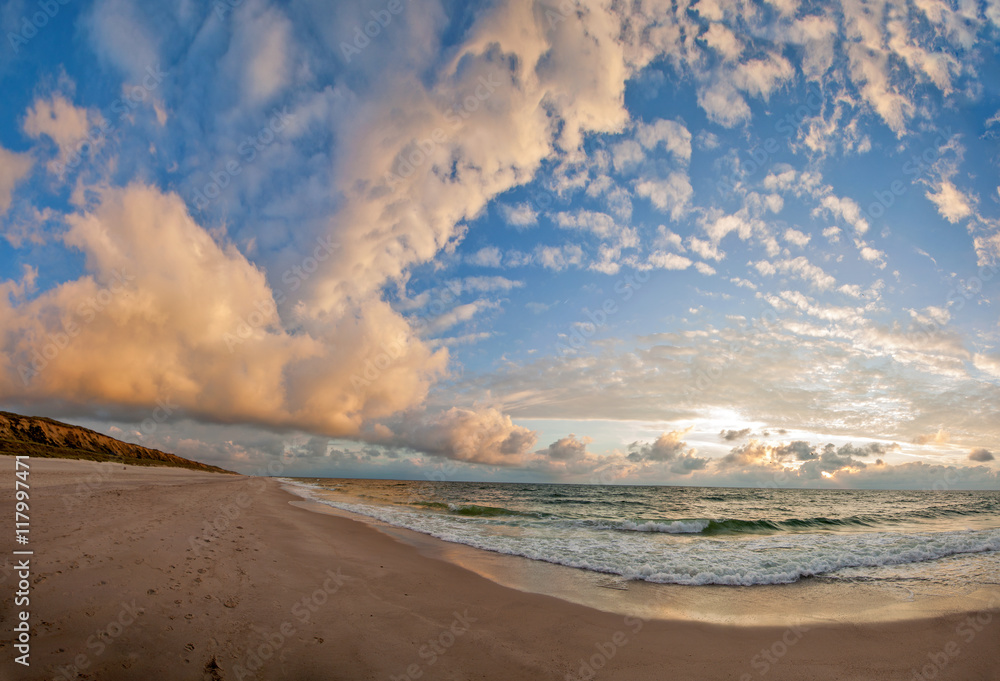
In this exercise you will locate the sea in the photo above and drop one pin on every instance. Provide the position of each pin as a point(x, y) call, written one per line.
point(698, 536)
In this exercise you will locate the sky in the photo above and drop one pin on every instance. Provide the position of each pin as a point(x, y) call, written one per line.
point(646, 242)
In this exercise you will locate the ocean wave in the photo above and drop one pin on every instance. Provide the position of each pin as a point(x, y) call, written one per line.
point(709, 526)
point(673, 527)
point(473, 510)
point(635, 552)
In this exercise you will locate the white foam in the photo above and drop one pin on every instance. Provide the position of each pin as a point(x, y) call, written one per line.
point(659, 552)
point(675, 527)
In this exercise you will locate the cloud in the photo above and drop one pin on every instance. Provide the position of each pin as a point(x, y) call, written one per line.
point(627, 154)
point(669, 448)
point(870, 254)
point(457, 315)
point(752, 453)
point(139, 327)
point(952, 204)
point(566, 449)
point(121, 36)
point(261, 53)
point(397, 159)
point(981, 455)
point(14, 167)
point(668, 239)
point(799, 267)
point(940, 437)
point(817, 462)
point(668, 261)
point(705, 249)
point(794, 236)
point(870, 70)
point(484, 435)
point(670, 195)
point(486, 257)
point(675, 138)
point(760, 77)
point(734, 434)
point(845, 208)
point(719, 227)
point(522, 215)
point(66, 125)
point(511, 59)
point(559, 257)
point(723, 104)
point(488, 284)
point(723, 41)
point(600, 225)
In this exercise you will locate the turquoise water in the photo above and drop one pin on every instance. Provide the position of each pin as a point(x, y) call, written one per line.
point(688, 535)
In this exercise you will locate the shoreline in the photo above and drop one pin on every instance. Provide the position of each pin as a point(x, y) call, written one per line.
point(129, 582)
point(814, 600)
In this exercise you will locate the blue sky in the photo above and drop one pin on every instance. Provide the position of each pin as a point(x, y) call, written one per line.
point(717, 243)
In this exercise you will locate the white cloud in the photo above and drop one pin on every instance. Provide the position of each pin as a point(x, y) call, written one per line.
point(951, 202)
point(600, 225)
point(794, 236)
point(522, 215)
point(486, 257)
point(672, 134)
point(723, 103)
point(567, 448)
point(483, 435)
point(761, 77)
point(62, 122)
point(13, 168)
point(782, 180)
point(987, 364)
point(706, 249)
point(665, 237)
point(668, 261)
point(626, 154)
point(559, 257)
point(799, 267)
point(869, 66)
point(785, 7)
point(846, 209)
point(718, 228)
point(871, 254)
point(723, 41)
point(142, 247)
point(262, 48)
point(457, 315)
point(671, 195)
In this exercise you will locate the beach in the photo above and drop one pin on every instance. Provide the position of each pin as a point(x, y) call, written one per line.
point(142, 572)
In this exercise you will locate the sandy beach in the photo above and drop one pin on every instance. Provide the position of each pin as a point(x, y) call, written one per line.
point(172, 574)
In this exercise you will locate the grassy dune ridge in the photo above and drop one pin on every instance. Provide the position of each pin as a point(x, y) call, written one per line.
point(44, 437)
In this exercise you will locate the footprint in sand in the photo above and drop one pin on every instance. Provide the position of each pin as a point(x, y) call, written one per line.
point(213, 672)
